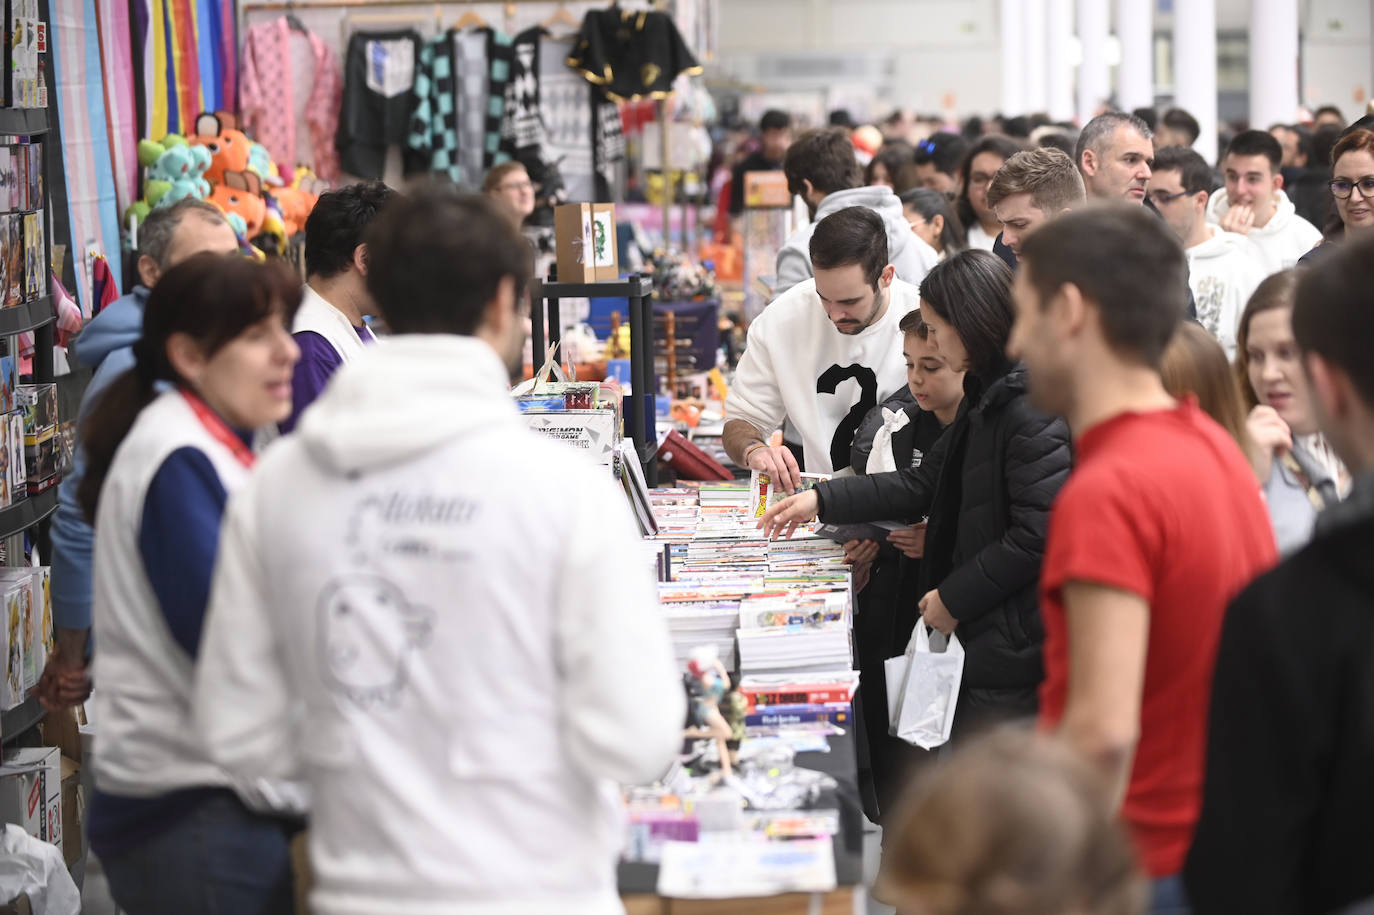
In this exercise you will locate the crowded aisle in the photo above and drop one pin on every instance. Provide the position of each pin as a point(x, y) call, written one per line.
point(504, 458)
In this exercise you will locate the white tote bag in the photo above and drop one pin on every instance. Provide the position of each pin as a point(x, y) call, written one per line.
point(928, 696)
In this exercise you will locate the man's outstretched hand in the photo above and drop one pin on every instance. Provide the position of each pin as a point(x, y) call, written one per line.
point(786, 516)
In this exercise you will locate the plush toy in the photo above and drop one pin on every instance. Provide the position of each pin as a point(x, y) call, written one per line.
point(299, 199)
point(175, 171)
point(272, 238)
point(241, 195)
point(229, 149)
point(260, 161)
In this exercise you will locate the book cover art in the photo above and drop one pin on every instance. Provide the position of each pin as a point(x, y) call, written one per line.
point(762, 495)
point(12, 689)
point(34, 176)
point(14, 257)
point(20, 193)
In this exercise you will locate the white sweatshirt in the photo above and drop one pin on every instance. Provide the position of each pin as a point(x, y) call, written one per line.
point(1223, 272)
point(1282, 240)
point(906, 252)
point(437, 616)
point(796, 364)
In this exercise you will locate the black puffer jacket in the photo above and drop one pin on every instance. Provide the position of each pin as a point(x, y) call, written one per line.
point(987, 485)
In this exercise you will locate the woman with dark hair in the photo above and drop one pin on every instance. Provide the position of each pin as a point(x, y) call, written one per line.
point(987, 487)
point(983, 160)
point(932, 218)
point(166, 444)
point(894, 166)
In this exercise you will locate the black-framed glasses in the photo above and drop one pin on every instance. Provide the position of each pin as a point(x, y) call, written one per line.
point(1341, 188)
point(1160, 198)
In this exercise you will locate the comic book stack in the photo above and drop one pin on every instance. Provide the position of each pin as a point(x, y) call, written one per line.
point(23, 247)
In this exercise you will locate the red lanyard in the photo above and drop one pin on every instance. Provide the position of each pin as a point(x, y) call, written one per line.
point(218, 429)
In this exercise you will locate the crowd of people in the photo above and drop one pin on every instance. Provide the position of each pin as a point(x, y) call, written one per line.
point(1162, 396)
point(1119, 400)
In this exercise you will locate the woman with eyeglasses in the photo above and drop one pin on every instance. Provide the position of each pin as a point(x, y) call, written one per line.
point(931, 217)
point(983, 160)
point(1352, 182)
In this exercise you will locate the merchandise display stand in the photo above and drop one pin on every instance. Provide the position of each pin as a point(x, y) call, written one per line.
point(38, 317)
point(639, 404)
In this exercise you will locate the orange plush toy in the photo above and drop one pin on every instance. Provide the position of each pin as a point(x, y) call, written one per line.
point(229, 148)
point(241, 194)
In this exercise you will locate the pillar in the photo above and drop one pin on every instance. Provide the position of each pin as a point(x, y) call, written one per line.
point(1195, 69)
point(1058, 62)
point(1273, 62)
point(1094, 77)
point(1034, 42)
point(1135, 77)
point(1013, 58)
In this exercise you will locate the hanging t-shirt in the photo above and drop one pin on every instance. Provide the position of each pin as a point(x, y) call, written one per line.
point(1162, 505)
point(631, 54)
point(470, 64)
point(567, 116)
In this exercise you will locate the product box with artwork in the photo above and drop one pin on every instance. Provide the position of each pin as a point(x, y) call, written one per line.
point(12, 687)
point(595, 432)
point(31, 791)
point(19, 581)
point(573, 243)
point(18, 469)
point(42, 611)
point(39, 403)
point(9, 378)
point(766, 189)
point(14, 258)
point(40, 458)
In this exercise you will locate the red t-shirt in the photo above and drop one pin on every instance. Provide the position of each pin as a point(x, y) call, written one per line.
point(1162, 505)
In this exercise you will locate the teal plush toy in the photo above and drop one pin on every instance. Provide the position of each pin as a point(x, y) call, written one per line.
point(176, 170)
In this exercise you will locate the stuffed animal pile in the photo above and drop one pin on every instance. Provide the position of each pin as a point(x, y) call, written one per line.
point(221, 164)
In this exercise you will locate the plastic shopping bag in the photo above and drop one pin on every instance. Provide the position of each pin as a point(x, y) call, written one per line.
point(931, 690)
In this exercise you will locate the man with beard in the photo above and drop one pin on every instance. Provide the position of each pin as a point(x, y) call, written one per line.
point(823, 354)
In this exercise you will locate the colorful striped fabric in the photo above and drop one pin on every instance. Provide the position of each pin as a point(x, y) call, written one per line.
point(117, 65)
point(187, 62)
point(74, 40)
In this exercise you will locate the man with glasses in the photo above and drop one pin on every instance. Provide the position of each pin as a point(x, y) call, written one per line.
point(1223, 267)
point(1255, 205)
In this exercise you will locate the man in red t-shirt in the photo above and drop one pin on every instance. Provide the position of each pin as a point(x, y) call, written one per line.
point(1159, 526)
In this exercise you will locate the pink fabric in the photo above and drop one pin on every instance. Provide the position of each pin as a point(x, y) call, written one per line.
point(116, 58)
point(267, 103)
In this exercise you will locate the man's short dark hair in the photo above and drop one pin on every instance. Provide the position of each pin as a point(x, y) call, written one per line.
point(1127, 262)
point(972, 292)
point(1148, 115)
point(854, 235)
point(1193, 171)
point(913, 323)
point(1257, 143)
point(436, 257)
point(1332, 317)
point(1097, 133)
point(1329, 109)
point(773, 119)
point(337, 224)
point(944, 150)
point(1183, 122)
point(825, 157)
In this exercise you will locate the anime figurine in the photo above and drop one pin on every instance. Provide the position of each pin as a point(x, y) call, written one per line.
point(707, 683)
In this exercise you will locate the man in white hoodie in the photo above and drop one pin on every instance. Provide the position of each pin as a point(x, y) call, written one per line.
point(1255, 205)
point(1223, 267)
point(821, 167)
point(434, 615)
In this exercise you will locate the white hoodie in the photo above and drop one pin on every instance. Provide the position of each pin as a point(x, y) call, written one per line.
point(436, 615)
point(1223, 272)
point(1282, 240)
point(911, 256)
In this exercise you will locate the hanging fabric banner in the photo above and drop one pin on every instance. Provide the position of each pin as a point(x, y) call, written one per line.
point(117, 65)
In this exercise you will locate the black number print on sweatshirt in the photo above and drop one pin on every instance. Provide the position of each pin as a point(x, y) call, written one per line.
point(829, 381)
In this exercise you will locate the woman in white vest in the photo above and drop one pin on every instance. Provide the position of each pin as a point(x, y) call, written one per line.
point(166, 444)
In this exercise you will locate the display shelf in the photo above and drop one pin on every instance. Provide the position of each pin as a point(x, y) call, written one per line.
point(20, 719)
point(633, 285)
point(28, 316)
point(23, 515)
point(23, 122)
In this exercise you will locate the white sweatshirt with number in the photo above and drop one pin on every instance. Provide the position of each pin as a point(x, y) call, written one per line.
point(1223, 271)
point(437, 617)
point(796, 364)
point(1282, 240)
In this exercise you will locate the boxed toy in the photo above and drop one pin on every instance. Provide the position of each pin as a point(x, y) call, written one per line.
point(14, 258)
point(31, 791)
point(46, 641)
point(40, 454)
point(594, 431)
point(31, 256)
point(19, 581)
point(18, 471)
point(39, 403)
point(34, 186)
point(12, 688)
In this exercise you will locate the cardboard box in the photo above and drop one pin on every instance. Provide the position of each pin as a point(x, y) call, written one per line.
point(573, 243)
point(595, 432)
point(73, 810)
point(766, 190)
point(604, 249)
point(31, 791)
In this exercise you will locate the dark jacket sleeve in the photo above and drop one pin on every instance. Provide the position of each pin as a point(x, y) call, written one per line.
point(1268, 748)
point(903, 493)
point(1037, 464)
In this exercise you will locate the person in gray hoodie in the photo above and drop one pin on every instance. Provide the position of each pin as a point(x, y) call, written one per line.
point(821, 167)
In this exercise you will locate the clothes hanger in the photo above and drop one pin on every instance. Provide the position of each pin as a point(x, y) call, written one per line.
point(560, 16)
point(293, 21)
point(470, 20)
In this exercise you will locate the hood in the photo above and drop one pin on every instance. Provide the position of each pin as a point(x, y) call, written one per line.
point(404, 396)
point(1283, 213)
point(118, 325)
point(1219, 245)
point(887, 205)
point(996, 388)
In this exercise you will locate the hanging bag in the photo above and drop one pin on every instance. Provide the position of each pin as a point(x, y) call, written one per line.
point(923, 713)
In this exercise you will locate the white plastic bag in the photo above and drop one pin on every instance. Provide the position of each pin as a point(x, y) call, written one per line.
point(931, 689)
point(880, 459)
